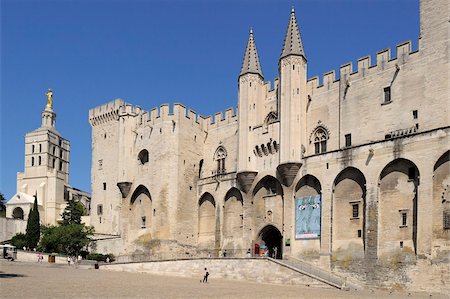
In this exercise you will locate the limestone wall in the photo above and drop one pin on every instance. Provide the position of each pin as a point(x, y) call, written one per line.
point(10, 227)
point(238, 269)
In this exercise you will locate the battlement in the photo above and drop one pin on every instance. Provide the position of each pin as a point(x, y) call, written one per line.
point(166, 112)
point(105, 113)
point(384, 61)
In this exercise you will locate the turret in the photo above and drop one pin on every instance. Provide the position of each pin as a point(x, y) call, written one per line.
point(292, 99)
point(251, 82)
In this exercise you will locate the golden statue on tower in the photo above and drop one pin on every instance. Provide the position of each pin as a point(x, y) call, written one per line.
point(49, 95)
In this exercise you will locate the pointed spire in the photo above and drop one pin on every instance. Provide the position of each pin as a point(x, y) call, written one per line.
point(292, 41)
point(251, 65)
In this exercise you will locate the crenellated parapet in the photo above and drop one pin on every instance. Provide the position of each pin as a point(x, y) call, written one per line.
point(105, 113)
point(383, 61)
point(116, 109)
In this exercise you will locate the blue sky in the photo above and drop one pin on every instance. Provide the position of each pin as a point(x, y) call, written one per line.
point(154, 52)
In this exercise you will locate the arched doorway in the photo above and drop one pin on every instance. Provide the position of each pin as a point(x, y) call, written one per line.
point(17, 213)
point(271, 237)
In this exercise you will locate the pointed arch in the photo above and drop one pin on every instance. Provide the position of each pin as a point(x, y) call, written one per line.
point(348, 208)
point(141, 209)
point(207, 221)
point(206, 197)
point(441, 198)
point(397, 208)
point(271, 118)
point(141, 189)
point(267, 202)
point(271, 184)
point(233, 214)
point(311, 182)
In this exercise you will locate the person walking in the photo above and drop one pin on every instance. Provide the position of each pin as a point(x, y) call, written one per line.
point(205, 277)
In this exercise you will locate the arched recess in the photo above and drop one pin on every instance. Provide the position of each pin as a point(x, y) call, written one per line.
point(141, 209)
point(18, 213)
point(307, 214)
point(207, 221)
point(232, 214)
point(397, 211)
point(348, 218)
point(268, 202)
point(441, 199)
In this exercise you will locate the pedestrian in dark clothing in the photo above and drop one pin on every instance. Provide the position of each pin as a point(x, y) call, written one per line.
point(205, 278)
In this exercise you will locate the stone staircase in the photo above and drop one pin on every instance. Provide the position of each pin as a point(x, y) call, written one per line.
point(317, 273)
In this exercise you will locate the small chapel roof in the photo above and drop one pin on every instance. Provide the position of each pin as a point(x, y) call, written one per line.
point(292, 41)
point(21, 198)
point(251, 65)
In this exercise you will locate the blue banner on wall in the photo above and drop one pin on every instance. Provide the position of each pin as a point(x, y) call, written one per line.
point(307, 217)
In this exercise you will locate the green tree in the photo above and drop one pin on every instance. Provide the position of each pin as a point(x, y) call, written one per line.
point(67, 239)
point(73, 212)
point(33, 231)
point(19, 240)
point(2, 205)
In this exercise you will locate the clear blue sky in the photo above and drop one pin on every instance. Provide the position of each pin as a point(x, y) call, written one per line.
point(154, 52)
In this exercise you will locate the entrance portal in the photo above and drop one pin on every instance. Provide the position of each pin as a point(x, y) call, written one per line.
point(271, 237)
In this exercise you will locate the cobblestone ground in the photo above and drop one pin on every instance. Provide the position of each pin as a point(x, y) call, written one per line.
point(33, 280)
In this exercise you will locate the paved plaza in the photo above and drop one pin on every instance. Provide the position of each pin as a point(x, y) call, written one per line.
point(33, 280)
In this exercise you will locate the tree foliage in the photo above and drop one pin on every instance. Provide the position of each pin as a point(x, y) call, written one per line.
point(33, 231)
point(19, 240)
point(67, 239)
point(73, 212)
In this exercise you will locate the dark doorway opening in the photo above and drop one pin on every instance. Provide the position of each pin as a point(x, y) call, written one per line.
point(272, 238)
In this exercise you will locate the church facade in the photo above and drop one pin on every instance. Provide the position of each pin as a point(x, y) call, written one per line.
point(355, 168)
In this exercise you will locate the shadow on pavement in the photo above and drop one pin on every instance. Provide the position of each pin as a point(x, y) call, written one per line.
point(10, 275)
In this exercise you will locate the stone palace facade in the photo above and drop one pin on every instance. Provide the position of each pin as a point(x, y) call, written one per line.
point(347, 171)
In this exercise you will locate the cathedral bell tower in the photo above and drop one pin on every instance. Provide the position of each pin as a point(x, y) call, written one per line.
point(251, 85)
point(292, 102)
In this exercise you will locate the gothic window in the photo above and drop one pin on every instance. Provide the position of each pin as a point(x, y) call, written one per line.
point(143, 156)
point(40, 148)
point(60, 165)
point(32, 149)
point(32, 161)
point(320, 137)
point(40, 160)
point(219, 157)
